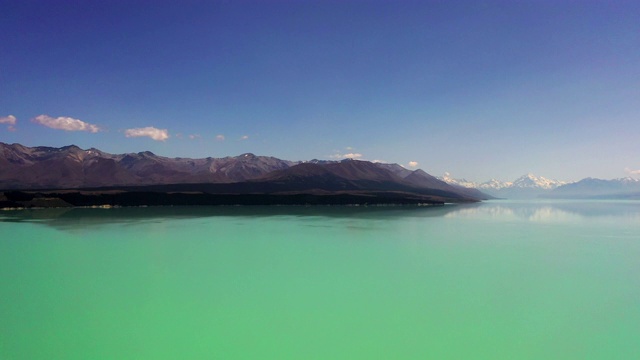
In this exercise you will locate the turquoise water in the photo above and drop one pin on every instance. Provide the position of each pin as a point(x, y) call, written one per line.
point(499, 280)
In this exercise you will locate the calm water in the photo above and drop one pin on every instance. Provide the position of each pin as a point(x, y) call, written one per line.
point(499, 280)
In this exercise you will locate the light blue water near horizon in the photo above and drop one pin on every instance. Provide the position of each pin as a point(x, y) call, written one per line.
point(500, 279)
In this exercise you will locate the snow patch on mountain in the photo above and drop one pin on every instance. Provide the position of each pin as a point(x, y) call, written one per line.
point(528, 181)
point(460, 182)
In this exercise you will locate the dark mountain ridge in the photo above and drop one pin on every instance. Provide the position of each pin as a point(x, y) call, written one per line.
point(353, 175)
point(42, 167)
point(96, 172)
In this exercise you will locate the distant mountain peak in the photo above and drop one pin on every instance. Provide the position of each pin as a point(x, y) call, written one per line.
point(628, 179)
point(449, 179)
point(532, 181)
point(527, 185)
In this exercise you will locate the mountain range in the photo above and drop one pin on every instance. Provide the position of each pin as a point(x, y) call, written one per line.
point(526, 186)
point(24, 167)
point(70, 167)
point(37, 169)
point(532, 186)
point(623, 188)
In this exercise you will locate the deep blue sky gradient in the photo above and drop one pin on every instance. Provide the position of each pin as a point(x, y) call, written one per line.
point(483, 90)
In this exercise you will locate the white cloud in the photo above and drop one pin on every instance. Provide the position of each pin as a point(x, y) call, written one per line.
point(65, 123)
point(632, 172)
point(149, 131)
point(8, 120)
point(346, 156)
point(194, 136)
point(413, 164)
point(244, 137)
point(220, 137)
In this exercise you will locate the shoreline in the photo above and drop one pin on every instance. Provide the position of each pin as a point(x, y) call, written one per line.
point(18, 200)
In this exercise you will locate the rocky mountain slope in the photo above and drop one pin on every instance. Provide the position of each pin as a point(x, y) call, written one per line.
point(356, 175)
point(23, 167)
point(70, 167)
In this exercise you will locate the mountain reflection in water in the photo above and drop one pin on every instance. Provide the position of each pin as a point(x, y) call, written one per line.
point(496, 210)
point(549, 210)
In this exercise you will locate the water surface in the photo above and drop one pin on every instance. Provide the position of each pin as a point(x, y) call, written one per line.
point(526, 280)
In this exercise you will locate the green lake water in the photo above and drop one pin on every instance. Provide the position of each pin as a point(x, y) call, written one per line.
point(498, 280)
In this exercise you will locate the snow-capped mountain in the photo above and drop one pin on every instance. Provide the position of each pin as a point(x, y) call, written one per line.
point(460, 182)
point(628, 180)
point(526, 186)
point(494, 184)
point(531, 181)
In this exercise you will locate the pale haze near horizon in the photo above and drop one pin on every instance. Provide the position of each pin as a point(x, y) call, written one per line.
point(480, 90)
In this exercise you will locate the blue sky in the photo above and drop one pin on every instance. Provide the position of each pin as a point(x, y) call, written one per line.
point(492, 89)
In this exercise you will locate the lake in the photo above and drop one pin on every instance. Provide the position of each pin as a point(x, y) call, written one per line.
point(496, 280)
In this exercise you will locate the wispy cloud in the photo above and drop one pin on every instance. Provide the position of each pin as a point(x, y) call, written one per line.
point(220, 137)
point(346, 156)
point(65, 123)
point(413, 164)
point(149, 131)
point(244, 137)
point(10, 121)
point(631, 171)
point(350, 154)
point(194, 136)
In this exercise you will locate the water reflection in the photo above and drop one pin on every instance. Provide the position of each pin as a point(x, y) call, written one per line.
point(505, 212)
point(74, 217)
point(533, 211)
point(550, 210)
